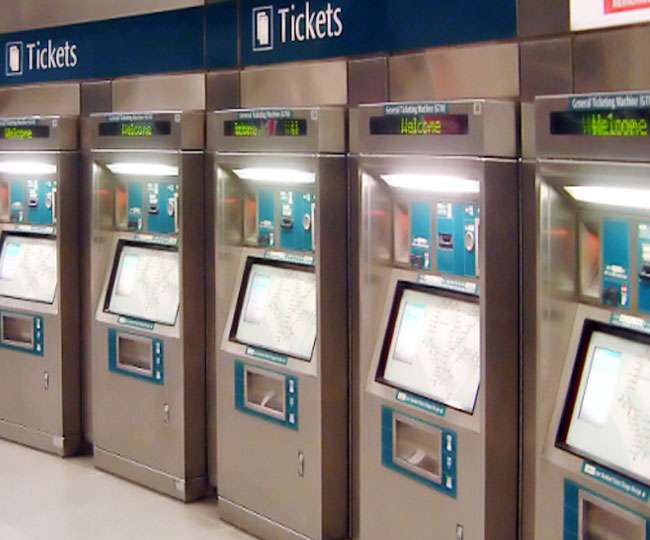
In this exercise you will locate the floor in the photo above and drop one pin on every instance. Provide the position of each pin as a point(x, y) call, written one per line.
point(45, 497)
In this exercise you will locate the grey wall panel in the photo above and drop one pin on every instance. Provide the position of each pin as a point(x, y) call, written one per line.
point(28, 14)
point(296, 85)
point(542, 17)
point(222, 90)
point(612, 60)
point(41, 99)
point(488, 71)
point(368, 80)
point(160, 93)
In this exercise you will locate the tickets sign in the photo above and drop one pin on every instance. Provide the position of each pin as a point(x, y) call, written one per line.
point(588, 14)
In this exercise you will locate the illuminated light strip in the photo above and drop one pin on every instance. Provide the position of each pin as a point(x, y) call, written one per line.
point(26, 167)
point(611, 196)
point(276, 176)
point(143, 169)
point(432, 183)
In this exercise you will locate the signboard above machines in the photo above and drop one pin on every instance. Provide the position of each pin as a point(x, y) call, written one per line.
point(590, 14)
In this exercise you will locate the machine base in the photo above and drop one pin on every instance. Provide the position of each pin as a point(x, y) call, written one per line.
point(63, 446)
point(255, 524)
point(184, 490)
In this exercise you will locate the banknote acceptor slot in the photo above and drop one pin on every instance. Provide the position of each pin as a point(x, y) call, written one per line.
point(265, 393)
point(417, 447)
point(18, 331)
point(135, 354)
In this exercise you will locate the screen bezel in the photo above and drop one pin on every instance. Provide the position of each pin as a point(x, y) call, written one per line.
point(571, 400)
point(116, 264)
point(234, 327)
point(6, 234)
point(400, 288)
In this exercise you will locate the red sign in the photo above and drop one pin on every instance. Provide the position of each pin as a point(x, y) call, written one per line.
point(618, 6)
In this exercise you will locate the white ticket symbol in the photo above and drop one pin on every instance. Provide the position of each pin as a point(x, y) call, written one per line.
point(263, 29)
point(14, 58)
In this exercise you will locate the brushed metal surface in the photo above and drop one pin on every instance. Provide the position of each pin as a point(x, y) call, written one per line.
point(222, 90)
point(42, 99)
point(612, 60)
point(546, 67)
point(528, 135)
point(160, 93)
point(305, 84)
point(535, 18)
point(96, 97)
point(368, 80)
point(477, 71)
point(29, 14)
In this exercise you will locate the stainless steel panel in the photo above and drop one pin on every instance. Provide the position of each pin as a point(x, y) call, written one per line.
point(187, 131)
point(546, 67)
point(296, 85)
point(608, 61)
point(528, 141)
point(96, 97)
point(486, 500)
point(222, 90)
point(368, 80)
point(574, 146)
point(492, 131)
point(535, 18)
point(29, 14)
point(325, 133)
point(64, 134)
point(477, 71)
point(257, 459)
point(160, 93)
point(40, 401)
point(44, 99)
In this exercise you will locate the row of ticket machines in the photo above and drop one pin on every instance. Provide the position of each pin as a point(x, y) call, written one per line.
point(388, 278)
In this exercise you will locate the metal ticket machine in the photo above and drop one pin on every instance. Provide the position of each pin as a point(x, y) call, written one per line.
point(40, 402)
point(148, 269)
point(282, 362)
point(435, 325)
point(592, 417)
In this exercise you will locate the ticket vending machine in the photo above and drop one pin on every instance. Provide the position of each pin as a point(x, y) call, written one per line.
point(435, 319)
point(593, 342)
point(282, 363)
point(149, 330)
point(39, 283)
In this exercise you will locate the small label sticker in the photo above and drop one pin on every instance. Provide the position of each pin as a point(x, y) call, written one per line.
point(609, 102)
point(457, 285)
point(265, 114)
point(630, 322)
point(161, 240)
point(267, 355)
point(306, 260)
point(396, 109)
point(629, 487)
point(137, 323)
point(421, 403)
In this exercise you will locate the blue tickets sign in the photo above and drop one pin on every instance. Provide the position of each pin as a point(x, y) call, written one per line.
point(144, 44)
point(286, 30)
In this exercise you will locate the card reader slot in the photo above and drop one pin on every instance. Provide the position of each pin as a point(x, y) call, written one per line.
point(600, 520)
point(265, 393)
point(418, 447)
point(135, 354)
point(18, 331)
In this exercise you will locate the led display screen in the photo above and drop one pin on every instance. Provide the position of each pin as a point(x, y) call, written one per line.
point(621, 123)
point(28, 268)
point(265, 128)
point(145, 284)
point(24, 132)
point(424, 125)
point(277, 309)
point(607, 413)
point(136, 129)
point(433, 346)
